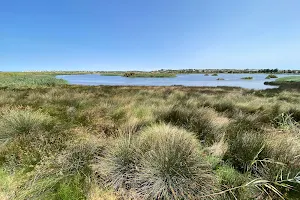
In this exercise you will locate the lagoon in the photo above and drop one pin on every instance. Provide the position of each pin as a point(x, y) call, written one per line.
point(231, 80)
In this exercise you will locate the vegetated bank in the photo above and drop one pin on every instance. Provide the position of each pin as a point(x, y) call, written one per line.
point(108, 142)
point(17, 80)
point(286, 82)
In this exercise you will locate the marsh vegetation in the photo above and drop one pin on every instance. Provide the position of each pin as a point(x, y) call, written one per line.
point(247, 78)
point(141, 74)
point(59, 141)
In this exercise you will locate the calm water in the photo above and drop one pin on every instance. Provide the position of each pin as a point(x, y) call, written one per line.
point(182, 79)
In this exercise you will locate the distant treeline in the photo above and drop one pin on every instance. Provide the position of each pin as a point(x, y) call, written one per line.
point(164, 71)
point(236, 71)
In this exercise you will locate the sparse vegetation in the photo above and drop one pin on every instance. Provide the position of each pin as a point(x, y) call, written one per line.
point(59, 141)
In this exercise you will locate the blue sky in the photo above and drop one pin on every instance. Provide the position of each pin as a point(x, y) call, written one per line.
point(148, 35)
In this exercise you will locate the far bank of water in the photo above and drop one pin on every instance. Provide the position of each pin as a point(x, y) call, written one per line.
point(231, 80)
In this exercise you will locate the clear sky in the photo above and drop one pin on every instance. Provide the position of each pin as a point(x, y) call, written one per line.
point(148, 34)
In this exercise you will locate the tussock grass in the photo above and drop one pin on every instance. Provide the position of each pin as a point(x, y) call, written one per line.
point(14, 123)
point(172, 166)
point(198, 120)
point(162, 162)
point(118, 168)
point(63, 175)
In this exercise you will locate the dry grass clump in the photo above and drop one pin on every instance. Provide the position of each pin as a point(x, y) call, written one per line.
point(64, 175)
point(171, 166)
point(118, 167)
point(97, 193)
point(198, 120)
point(282, 160)
point(25, 138)
point(162, 162)
point(14, 123)
point(218, 148)
point(243, 149)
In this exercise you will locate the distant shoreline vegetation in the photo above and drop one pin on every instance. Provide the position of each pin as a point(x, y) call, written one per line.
point(141, 74)
point(271, 76)
point(166, 72)
point(285, 80)
point(32, 81)
point(230, 71)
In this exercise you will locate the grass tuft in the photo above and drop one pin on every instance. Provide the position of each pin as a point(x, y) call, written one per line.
point(14, 123)
point(171, 165)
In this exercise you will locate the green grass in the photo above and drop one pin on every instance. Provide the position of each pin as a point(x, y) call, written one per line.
point(288, 79)
point(92, 142)
point(30, 81)
point(286, 82)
